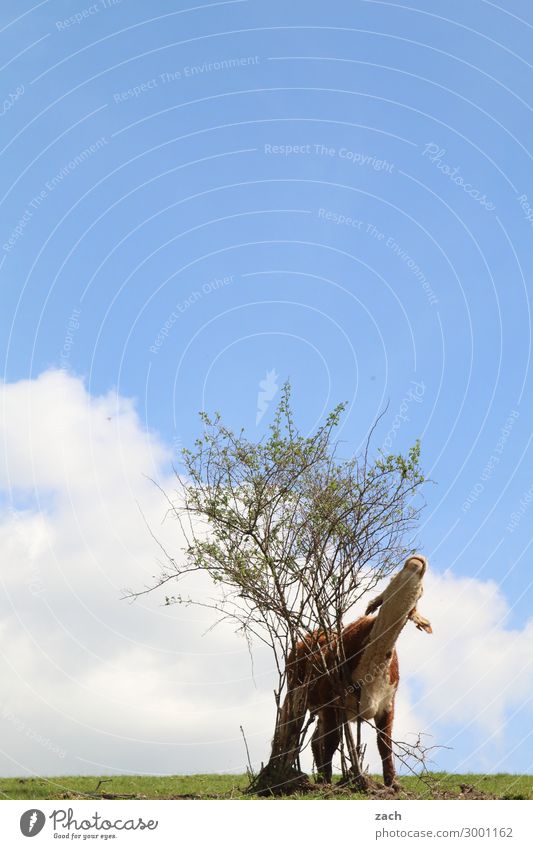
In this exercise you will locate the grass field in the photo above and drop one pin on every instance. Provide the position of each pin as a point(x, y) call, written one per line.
point(232, 786)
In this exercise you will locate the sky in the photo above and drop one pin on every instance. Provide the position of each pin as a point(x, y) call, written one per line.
point(198, 203)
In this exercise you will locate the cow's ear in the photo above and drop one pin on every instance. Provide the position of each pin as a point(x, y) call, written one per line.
point(374, 604)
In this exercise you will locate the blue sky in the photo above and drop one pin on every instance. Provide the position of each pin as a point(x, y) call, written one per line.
point(195, 197)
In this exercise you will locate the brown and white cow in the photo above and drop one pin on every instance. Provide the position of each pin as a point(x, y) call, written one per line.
point(371, 665)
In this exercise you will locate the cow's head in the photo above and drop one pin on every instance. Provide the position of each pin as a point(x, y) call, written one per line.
point(416, 563)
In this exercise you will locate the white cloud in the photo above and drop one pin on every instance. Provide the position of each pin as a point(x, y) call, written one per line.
point(91, 682)
point(471, 675)
point(477, 668)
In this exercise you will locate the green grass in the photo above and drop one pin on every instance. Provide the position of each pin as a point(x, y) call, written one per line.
point(231, 786)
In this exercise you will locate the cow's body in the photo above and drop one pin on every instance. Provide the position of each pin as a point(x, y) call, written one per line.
point(325, 706)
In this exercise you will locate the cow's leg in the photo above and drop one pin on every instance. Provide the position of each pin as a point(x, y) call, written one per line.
point(325, 741)
point(384, 731)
